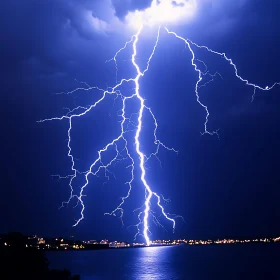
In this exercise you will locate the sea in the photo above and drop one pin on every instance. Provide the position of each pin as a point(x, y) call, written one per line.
point(181, 262)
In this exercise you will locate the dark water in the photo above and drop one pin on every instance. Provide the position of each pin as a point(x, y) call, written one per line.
point(225, 262)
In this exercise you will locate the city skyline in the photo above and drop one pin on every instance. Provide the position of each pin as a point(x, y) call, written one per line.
point(59, 243)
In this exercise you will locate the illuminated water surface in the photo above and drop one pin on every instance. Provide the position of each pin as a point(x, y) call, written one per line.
point(225, 262)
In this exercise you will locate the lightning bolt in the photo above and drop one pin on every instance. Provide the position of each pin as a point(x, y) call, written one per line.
point(121, 140)
point(191, 44)
point(119, 145)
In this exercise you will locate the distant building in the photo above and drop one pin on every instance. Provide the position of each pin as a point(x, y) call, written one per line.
point(116, 244)
point(138, 244)
point(123, 244)
point(41, 241)
point(92, 242)
point(113, 244)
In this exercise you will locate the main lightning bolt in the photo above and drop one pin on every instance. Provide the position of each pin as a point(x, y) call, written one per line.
point(120, 140)
point(120, 144)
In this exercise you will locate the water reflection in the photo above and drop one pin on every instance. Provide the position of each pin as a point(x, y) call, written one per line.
point(148, 263)
point(153, 263)
point(225, 262)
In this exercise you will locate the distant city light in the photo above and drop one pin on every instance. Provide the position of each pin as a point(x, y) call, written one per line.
point(65, 244)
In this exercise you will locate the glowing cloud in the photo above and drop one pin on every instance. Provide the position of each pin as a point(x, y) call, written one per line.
point(163, 12)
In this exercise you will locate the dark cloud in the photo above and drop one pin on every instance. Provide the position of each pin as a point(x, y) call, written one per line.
point(219, 17)
point(50, 34)
point(122, 7)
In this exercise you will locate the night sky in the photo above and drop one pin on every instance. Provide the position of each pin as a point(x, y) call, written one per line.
point(223, 187)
